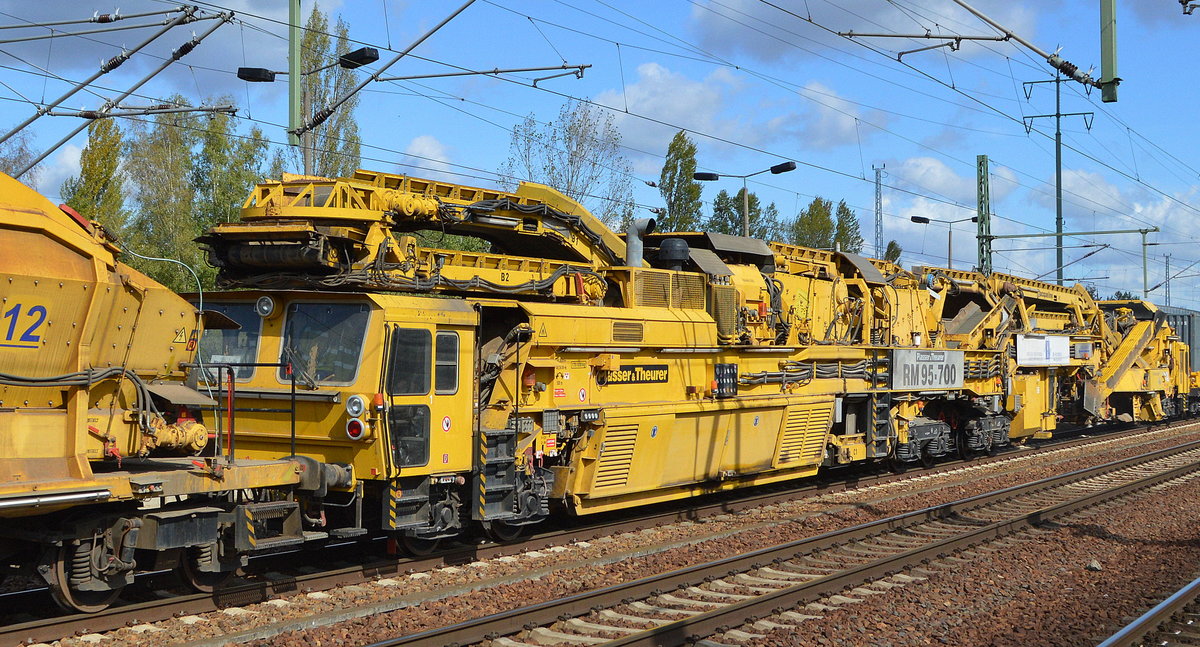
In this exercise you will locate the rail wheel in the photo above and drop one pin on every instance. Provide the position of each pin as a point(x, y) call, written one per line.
point(964, 450)
point(419, 546)
point(895, 465)
point(927, 458)
point(198, 580)
point(501, 532)
point(71, 567)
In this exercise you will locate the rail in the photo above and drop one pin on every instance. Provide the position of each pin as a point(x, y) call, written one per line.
point(732, 615)
point(50, 629)
point(1141, 629)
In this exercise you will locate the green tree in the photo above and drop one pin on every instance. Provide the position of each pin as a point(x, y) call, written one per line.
point(847, 237)
point(766, 225)
point(680, 192)
point(226, 168)
point(335, 145)
point(1123, 295)
point(578, 154)
point(187, 173)
point(159, 161)
point(98, 192)
point(814, 226)
point(893, 252)
point(726, 217)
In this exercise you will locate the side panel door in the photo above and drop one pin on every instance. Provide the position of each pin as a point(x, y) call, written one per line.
point(429, 397)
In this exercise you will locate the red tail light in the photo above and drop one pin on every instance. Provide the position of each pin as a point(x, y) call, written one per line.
point(357, 429)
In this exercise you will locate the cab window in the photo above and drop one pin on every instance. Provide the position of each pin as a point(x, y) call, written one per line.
point(324, 342)
point(232, 346)
point(446, 364)
point(409, 362)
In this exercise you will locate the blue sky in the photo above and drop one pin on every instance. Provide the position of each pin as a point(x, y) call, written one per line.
point(754, 84)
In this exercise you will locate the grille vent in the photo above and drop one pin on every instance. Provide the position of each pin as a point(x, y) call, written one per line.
point(687, 292)
point(804, 435)
point(723, 309)
point(653, 289)
point(630, 331)
point(616, 456)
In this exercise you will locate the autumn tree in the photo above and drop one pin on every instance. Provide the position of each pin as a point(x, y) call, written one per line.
point(98, 192)
point(893, 252)
point(814, 226)
point(17, 152)
point(679, 190)
point(578, 154)
point(334, 146)
point(847, 236)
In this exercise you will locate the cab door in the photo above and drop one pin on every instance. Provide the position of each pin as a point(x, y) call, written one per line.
point(429, 399)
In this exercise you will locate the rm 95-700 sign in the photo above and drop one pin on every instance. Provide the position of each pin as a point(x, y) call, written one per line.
point(927, 369)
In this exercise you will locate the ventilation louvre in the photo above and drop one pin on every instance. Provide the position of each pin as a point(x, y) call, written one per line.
point(627, 331)
point(687, 291)
point(653, 289)
point(724, 309)
point(616, 456)
point(804, 435)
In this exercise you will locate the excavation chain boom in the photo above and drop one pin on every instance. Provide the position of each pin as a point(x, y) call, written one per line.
point(358, 232)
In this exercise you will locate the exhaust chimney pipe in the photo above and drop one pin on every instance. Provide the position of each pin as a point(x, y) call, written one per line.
point(633, 240)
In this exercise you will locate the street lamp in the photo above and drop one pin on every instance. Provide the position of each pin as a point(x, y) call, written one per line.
point(349, 61)
point(922, 220)
point(783, 167)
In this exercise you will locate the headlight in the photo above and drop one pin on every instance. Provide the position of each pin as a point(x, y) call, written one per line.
point(265, 307)
point(356, 405)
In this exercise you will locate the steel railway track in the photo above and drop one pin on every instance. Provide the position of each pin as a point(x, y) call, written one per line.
point(1175, 621)
point(49, 629)
point(735, 597)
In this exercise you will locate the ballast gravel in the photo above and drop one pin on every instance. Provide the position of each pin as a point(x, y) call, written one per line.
point(446, 596)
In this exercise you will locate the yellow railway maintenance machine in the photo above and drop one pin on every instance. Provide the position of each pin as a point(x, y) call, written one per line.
point(569, 366)
point(100, 439)
point(1068, 357)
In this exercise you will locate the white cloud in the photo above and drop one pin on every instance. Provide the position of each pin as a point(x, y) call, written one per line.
point(56, 170)
point(831, 120)
point(707, 106)
point(671, 97)
point(931, 176)
point(227, 48)
point(424, 156)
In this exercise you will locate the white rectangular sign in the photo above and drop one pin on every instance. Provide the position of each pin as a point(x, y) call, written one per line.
point(923, 369)
point(1043, 350)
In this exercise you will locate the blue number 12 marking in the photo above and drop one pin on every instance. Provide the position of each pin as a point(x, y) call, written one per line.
point(27, 339)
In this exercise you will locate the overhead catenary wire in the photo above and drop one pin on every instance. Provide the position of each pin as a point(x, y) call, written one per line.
point(962, 206)
point(577, 31)
point(177, 54)
point(97, 17)
point(920, 193)
point(187, 15)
